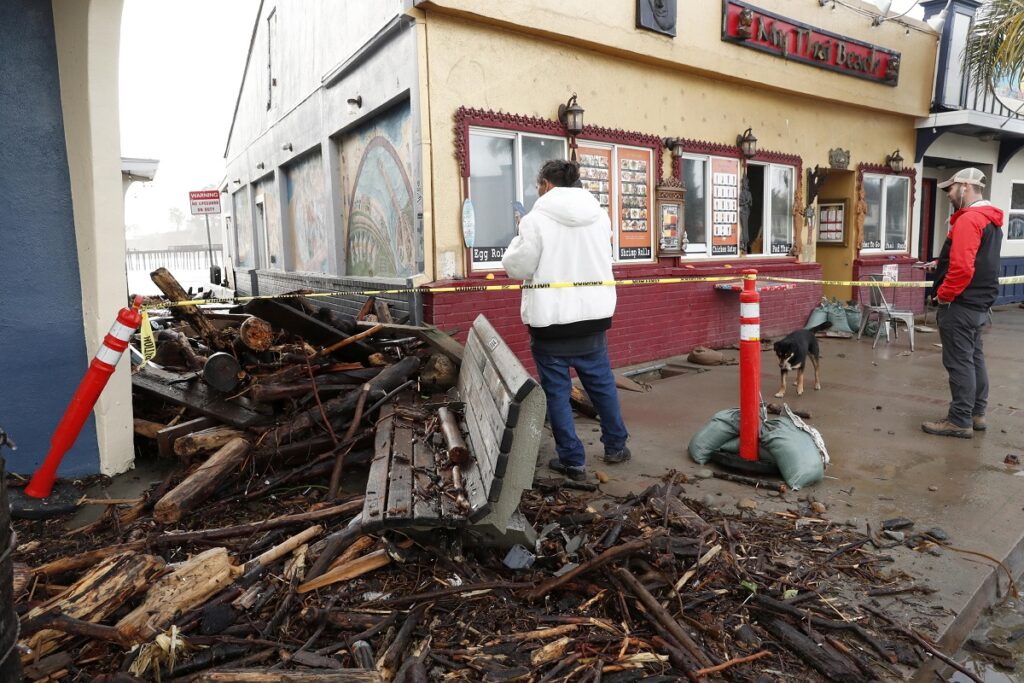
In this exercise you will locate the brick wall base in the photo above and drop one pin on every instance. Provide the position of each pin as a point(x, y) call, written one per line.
point(651, 321)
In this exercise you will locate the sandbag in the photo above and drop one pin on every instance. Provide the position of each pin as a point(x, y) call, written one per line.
point(818, 315)
point(701, 355)
point(720, 429)
point(854, 315)
point(836, 315)
point(795, 448)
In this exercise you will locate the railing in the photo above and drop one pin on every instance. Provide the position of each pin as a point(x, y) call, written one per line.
point(193, 257)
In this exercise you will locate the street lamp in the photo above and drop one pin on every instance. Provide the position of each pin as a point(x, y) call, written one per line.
point(747, 143)
point(895, 162)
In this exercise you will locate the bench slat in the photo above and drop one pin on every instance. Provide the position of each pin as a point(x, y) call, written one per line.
point(377, 482)
point(423, 459)
point(483, 413)
point(479, 505)
point(512, 371)
point(494, 385)
point(448, 509)
point(400, 479)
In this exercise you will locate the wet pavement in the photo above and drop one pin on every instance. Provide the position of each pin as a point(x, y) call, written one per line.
point(869, 411)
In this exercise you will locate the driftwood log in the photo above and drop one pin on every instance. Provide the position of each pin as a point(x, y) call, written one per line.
point(192, 583)
point(202, 482)
point(95, 596)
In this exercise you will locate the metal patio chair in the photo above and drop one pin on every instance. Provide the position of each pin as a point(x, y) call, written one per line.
point(879, 308)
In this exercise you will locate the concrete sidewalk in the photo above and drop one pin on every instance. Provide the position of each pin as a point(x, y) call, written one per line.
point(869, 411)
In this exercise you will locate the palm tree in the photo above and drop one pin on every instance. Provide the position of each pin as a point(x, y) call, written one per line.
point(995, 47)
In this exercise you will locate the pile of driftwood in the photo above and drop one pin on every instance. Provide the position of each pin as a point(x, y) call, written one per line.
point(652, 587)
point(241, 565)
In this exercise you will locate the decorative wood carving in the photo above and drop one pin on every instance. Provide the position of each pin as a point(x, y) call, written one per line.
point(466, 117)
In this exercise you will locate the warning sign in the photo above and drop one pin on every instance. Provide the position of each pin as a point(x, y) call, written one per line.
point(204, 202)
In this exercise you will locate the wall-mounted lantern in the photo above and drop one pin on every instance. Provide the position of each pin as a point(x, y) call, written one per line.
point(747, 143)
point(895, 162)
point(571, 116)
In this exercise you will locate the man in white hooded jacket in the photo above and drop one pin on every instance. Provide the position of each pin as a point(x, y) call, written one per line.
point(566, 237)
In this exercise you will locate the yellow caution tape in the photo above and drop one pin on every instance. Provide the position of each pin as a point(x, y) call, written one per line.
point(467, 289)
point(148, 342)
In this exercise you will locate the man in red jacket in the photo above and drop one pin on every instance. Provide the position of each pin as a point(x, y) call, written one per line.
point(966, 286)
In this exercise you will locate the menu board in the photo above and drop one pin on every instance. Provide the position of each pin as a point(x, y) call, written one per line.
point(595, 174)
point(725, 207)
point(634, 175)
point(832, 223)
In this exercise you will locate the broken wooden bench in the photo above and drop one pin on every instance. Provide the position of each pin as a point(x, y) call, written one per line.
point(503, 416)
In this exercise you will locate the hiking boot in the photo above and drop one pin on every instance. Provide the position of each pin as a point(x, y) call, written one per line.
point(615, 457)
point(980, 423)
point(572, 472)
point(944, 427)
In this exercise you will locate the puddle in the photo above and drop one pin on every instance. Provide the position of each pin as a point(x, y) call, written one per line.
point(653, 373)
point(1004, 627)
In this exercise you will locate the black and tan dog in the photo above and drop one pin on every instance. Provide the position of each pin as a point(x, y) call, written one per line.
point(793, 351)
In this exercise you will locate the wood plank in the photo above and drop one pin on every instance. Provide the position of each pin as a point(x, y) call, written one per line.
point(423, 459)
point(195, 395)
point(503, 400)
point(306, 326)
point(166, 437)
point(475, 354)
point(400, 474)
point(448, 509)
point(377, 481)
point(512, 371)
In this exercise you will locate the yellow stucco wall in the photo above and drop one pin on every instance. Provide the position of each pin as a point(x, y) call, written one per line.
point(485, 64)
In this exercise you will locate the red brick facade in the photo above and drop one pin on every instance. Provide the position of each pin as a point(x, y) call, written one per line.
point(651, 321)
point(899, 298)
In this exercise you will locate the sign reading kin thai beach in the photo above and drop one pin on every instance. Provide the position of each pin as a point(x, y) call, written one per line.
point(758, 29)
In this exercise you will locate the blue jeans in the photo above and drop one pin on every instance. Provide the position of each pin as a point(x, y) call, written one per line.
point(595, 372)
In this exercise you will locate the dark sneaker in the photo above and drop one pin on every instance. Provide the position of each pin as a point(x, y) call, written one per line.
point(573, 472)
point(980, 423)
point(616, 457)
point(944, 427)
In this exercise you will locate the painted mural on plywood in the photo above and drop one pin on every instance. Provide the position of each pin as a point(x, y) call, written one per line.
point(307, 215)
point(267, 191)
point(243, 229)
point(383, 237)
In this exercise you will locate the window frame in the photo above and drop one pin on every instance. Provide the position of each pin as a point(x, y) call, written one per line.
point(765, 209)
point(1011, 212)
point(517, 170)
point(466, 117)
point(884, 172)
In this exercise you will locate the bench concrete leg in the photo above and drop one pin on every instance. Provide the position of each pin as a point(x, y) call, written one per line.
point(518, 531)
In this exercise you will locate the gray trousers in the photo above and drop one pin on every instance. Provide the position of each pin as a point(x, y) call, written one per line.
point(960, 332)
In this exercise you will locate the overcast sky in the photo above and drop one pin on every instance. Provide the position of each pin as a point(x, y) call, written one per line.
point(181, 65)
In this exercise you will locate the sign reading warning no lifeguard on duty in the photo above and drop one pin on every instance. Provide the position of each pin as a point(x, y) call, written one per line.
point(204, 202)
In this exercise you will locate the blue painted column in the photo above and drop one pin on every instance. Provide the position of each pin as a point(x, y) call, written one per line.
point(42, 345)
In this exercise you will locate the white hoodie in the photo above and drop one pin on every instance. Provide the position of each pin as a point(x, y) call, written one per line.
point(565, 238)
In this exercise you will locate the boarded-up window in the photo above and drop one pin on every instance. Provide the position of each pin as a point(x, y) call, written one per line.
point(306, 210)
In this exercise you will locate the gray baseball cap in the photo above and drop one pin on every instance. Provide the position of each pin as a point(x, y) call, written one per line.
point(970, 176)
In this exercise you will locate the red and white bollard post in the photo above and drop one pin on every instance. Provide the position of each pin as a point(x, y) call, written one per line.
point(82, 403)
point(750, 366)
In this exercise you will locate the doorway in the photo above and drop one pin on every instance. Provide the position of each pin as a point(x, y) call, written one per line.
point(837, 247)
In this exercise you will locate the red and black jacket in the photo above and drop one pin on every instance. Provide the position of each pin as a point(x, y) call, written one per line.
point(968, 268)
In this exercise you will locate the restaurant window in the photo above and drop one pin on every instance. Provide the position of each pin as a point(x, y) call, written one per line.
point(714, 196)
point(1015, 222)
point(504, 168)
point(621, 177)
point(887, 201)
